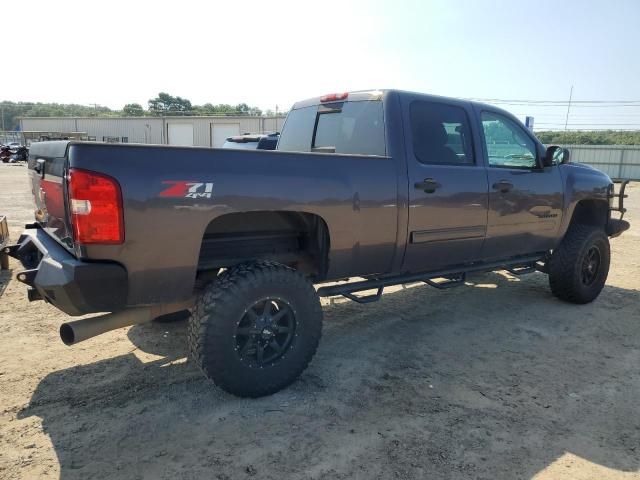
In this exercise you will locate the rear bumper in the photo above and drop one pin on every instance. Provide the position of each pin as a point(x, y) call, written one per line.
point(71, 285)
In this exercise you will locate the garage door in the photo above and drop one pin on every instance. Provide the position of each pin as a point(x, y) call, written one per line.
point(221, 131)
point(180, 134)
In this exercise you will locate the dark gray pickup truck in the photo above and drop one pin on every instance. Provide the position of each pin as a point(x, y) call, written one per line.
point(389, 186)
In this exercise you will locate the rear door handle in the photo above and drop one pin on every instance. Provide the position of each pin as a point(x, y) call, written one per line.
point(503, 186)
point(428, 185)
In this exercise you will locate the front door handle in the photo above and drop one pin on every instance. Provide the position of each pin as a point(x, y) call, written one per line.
point(428, 185)
point(503, 186)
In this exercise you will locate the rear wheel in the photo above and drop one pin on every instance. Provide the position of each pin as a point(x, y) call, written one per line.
point(255, 328)
point(578, 269)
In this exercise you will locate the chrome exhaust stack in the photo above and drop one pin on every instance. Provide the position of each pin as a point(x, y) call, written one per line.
point(80, 330)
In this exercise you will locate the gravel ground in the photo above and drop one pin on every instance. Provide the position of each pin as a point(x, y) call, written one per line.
point(495, 380)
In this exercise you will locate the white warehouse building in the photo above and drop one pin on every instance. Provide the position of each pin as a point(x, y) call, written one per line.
point(211, 131)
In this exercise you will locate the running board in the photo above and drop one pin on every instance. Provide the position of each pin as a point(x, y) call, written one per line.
point(448, 282)
point(452, 278)
point(522, 270)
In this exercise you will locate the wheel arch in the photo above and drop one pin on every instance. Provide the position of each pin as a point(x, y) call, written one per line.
point(298, 239)
point(592, 212)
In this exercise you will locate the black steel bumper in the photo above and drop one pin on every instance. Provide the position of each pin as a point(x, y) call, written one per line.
point(73, 286)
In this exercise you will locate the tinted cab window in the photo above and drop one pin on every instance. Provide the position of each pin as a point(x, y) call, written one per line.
point(347, 127)
point(441, 134)
point(298, 130)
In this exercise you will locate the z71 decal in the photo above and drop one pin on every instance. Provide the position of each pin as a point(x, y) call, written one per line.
point(187, 189)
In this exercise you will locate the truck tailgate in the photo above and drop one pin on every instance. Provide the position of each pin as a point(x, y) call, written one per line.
point(47, 162)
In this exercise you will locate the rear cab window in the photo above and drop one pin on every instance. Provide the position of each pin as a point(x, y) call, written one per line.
point(355, 128)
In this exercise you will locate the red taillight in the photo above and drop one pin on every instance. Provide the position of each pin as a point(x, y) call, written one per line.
point(334, 97)
point(95, 203)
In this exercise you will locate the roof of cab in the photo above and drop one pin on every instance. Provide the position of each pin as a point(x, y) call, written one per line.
point(357, 96)
point(377, 94)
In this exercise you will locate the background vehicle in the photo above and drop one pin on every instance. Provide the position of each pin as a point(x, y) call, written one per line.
point(5, 153)
point(13, 155)
point(391, 186)
point(253, 141)
point(21, 154)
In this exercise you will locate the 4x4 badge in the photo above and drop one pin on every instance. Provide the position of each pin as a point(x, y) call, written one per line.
point(187, 189)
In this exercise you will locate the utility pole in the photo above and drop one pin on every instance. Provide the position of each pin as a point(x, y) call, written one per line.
point(566, 120)
point(2, 108)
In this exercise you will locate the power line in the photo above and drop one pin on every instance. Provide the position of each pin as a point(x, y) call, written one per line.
point(548, 129)
point(590, 125)
point(537, 105)
point(559, 102)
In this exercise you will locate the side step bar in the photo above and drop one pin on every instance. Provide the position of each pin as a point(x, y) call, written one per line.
point(452, 278)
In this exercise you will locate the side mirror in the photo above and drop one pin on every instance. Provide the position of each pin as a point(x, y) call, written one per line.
point(556, 155)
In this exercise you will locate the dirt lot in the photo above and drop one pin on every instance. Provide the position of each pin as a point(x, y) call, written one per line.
point(496, 380)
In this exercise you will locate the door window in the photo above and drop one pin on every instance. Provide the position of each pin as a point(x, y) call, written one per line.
point(441, 134)
point(508, 146)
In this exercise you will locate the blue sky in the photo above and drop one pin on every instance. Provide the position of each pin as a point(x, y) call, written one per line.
point(268, 53)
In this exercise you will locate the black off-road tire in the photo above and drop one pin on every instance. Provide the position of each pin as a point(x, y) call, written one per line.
point(566, 274)
point(223, 304)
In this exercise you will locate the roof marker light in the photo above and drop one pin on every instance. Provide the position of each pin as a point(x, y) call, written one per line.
point(334, 97)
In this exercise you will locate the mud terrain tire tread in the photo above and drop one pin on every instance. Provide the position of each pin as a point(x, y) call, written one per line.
point(566, 263)
point(221, 304)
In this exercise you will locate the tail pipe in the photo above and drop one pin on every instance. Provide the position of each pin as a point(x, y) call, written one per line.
point(80, 330)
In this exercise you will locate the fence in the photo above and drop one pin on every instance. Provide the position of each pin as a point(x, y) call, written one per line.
point(617, 161)
point(10, 136)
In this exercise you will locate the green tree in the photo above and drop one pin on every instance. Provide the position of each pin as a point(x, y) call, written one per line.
point(599, 137)
point(133, 110)
point(13, 110)
point(167, 104)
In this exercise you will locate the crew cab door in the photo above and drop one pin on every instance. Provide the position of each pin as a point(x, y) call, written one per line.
point(525, 199)
point(448, 192)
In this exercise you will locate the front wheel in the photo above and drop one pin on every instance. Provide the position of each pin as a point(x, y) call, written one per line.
point(255, 328)
point(578, 269)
